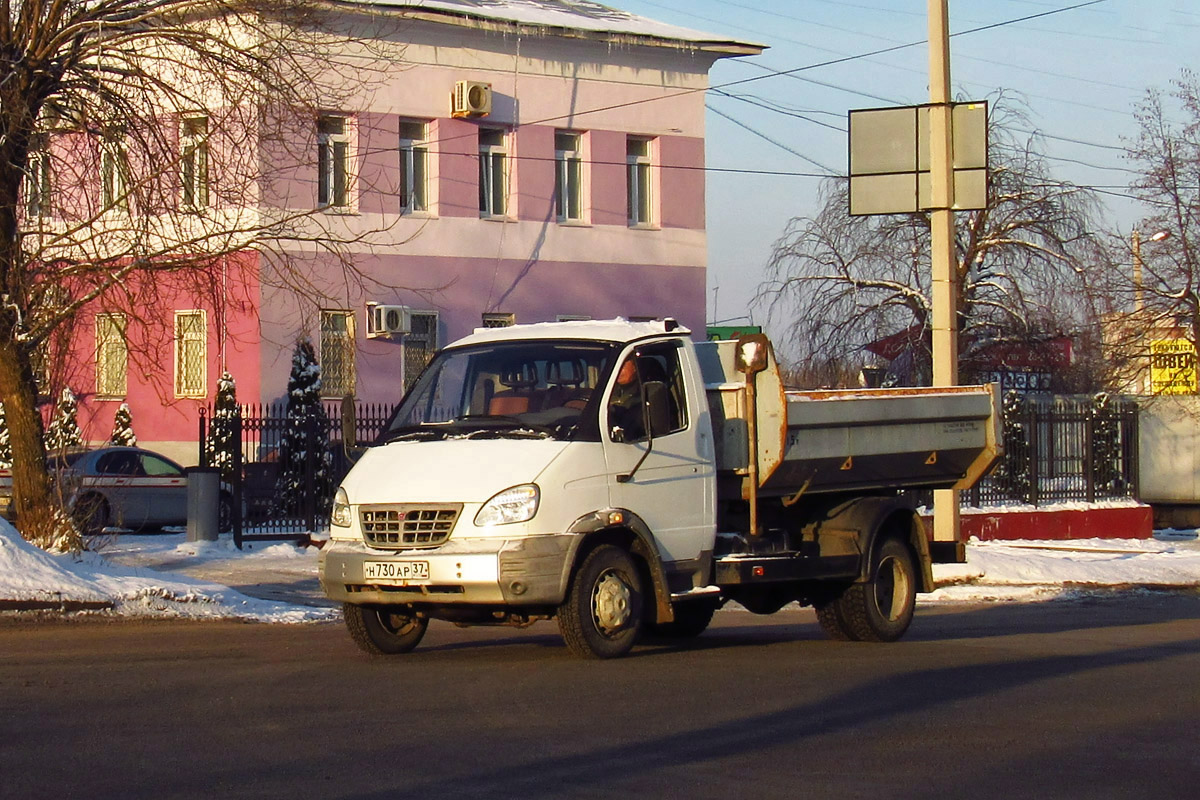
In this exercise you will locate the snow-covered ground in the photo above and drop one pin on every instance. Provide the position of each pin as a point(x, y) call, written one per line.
point(164, 575)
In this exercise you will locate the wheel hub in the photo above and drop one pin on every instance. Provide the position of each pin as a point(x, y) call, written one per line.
point(611, 603)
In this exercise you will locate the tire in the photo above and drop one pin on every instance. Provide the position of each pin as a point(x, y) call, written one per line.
point(691, 620)
point(384, 631)
point(881, 608)
point(602, 613)
point(92, 514)
point(225, 513)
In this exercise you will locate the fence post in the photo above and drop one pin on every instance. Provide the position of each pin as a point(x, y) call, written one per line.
point(202, 442)
point(239, 480)
point(1089, 452)
point(1034, 437)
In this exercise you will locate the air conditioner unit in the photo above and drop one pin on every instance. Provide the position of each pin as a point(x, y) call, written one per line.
point(388, 320)
point(471, 99)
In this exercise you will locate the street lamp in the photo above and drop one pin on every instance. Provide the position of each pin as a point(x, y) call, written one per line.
point(1139, 300)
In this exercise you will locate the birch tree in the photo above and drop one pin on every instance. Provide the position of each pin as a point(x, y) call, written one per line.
point(137, 139)
point(1026, 267)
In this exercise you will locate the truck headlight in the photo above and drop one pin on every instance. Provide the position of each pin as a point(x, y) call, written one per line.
point(340, 515)
point(517, 504)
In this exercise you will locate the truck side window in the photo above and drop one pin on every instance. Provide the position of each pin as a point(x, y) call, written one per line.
point(625, 410)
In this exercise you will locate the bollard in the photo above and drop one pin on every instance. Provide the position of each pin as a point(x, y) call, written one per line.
point(203, 503)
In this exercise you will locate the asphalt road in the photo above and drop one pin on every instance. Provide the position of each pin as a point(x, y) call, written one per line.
point(1094, 698)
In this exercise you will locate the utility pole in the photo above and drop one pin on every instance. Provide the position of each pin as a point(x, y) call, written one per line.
point(945, 278)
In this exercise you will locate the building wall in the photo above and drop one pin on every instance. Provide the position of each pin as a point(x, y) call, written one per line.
point(448, 260)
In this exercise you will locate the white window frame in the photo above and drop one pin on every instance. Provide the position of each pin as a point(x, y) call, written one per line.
point(114, 172)
point(191, 343)
point(334, 340)
point(193, 162)
point(494, 165)
point(414, 167)
point(335, 160)
point(639, 178)
point(568, 177)
point(38, 179)
point(112, 356)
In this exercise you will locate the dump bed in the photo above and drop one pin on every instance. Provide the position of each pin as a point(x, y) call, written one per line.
point(849, 439)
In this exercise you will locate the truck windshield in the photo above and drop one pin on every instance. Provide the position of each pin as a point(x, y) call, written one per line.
point(545, 389)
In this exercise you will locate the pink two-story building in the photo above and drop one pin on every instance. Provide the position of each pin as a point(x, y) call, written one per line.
point(526, 161)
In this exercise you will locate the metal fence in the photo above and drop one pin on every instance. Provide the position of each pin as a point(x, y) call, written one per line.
point(1062, 449)
point(1057, 450)
point(283, 471)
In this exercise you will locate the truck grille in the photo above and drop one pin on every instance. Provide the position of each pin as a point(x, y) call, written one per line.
point(396, 527)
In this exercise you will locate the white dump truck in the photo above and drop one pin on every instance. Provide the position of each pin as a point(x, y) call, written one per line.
point(626, 480)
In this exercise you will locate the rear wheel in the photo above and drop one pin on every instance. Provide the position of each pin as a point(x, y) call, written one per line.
point(384, 631)
point(602, 613)
point(881, 608)
point(91, 514)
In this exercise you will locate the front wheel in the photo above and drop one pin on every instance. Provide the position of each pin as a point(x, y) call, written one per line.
point(602, 613)
point(384, 631)
point(881, 608)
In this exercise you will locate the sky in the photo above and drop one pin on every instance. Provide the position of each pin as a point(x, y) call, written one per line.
point(165, 576)
point(1080, 70)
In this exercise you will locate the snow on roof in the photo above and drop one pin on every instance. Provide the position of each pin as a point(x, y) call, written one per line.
point(572, 15)
point(608, 330)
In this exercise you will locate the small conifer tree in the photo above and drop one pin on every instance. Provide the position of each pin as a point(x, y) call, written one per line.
point(5, 442)
point(64, 430)
point(122, 432)
point(299, 453)
point(223, 439)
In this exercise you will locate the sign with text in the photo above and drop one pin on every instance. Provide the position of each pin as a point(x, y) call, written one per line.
point(1172, 367)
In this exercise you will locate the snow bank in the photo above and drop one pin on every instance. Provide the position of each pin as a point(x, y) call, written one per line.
point(31, 575)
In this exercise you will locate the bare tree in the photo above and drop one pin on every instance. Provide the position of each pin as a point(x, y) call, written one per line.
point(144, 141)
point(1161, 289)
point(1025, 266)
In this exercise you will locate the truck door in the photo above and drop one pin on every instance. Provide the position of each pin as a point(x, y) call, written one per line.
point(668, 479)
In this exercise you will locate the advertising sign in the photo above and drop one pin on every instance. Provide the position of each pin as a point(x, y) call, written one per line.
point(1172, 367)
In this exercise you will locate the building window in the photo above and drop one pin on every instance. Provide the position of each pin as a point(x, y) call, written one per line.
point(493, 173)
point(37, 178)
point(333, 161)
point(640, 195)
point(419, 345)
point(112, 355)
point(414, 167)
point(193, 162)
point(114, 172)
point(568, 176)
point(572, 318)
point(191, 352)
point(498, 319)
point(337, 353)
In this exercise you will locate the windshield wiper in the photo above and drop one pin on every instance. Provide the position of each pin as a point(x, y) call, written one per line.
point(410, 433)
point(511, 425)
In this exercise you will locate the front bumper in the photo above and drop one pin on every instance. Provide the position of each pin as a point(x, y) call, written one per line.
point(529, 571)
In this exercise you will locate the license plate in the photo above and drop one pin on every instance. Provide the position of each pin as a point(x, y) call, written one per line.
point(396, 571)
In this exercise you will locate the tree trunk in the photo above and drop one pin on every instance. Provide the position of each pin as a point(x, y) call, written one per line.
point(37, 508)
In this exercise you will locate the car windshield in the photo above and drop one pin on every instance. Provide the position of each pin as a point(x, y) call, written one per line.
point(542, 389)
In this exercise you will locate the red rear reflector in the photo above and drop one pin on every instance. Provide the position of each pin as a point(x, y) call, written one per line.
point(757, 572)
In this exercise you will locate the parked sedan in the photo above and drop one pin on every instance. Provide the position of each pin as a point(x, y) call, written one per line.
point(125, 487)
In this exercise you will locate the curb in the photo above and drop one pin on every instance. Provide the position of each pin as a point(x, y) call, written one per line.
point(56, 605)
